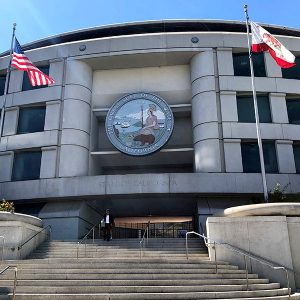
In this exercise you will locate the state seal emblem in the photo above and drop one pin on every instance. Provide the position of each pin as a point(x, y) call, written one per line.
point(139, 124)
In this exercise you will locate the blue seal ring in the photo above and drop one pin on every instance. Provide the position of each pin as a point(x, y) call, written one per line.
point(139, 124)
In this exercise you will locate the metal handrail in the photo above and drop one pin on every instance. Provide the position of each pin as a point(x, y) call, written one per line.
point(209, 242)
point(144, 237)
point(20, 246)
point(15, 278)
point(84, 239)
point(3, 243)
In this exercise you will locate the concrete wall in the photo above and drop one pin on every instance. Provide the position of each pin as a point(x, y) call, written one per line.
point(16, 229)
point(69, 220)
point(273, 238)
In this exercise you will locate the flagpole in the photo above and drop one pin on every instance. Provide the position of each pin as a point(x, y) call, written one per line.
point(7, 80)
point(260, 148)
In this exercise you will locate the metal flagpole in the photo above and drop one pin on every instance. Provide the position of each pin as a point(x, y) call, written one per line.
point(7, 80)
point(261, 154)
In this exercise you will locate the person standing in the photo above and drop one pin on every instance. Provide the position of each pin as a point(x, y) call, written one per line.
point(109, 222)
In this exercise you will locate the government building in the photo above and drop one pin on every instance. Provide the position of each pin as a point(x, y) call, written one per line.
point(152, 120)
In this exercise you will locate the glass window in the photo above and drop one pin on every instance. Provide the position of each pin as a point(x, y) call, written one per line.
point(26, 82)
point(251, 161)
point(293, 109)
point(241, 64)
point(297, 157)
point(2, 84)
point(245, 108)
point(31, 119)
point(292, 73)
point(27, 165)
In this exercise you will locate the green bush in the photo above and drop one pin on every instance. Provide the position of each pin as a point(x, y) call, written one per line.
point(7, 206)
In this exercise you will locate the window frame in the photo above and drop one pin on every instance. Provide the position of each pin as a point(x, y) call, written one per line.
point(256, 67)
point(264, 142)
point(14, 175)
point(259, 96)
point(289, 99)
point(40, 105)
point(26, 85)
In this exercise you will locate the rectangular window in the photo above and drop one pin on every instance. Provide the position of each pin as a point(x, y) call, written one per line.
point(31, 119)
point(245, 108)
point(241, 64)
point(293, 110)
point(251, 161)
point(296, 148)
point(2, 84)
point(27, 165)
point(292, 73)
point(26, 86)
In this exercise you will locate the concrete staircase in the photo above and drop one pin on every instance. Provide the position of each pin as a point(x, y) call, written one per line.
point(114, 270)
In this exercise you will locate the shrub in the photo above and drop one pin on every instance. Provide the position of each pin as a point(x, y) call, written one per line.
point(7, 206)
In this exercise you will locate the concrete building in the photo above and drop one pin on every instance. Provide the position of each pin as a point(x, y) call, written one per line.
point(58, 164)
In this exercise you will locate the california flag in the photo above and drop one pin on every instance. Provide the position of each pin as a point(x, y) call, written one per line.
point(262, 40)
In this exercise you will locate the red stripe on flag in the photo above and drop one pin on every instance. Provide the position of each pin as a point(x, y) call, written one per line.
point(260, 47)
point(282, 63)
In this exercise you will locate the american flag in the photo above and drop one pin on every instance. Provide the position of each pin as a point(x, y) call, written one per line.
point(21, 62)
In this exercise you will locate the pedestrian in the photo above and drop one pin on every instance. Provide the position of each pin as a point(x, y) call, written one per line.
point(109, 223)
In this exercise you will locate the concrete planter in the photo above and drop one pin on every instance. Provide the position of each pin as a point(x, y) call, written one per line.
point(269, 231)
point(14, 230)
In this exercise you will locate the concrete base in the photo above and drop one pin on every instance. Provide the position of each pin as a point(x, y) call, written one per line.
point(273, 238)
point(16, 229)
point(70, 220)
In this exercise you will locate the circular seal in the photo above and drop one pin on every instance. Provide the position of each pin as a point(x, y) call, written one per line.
point(139, 124)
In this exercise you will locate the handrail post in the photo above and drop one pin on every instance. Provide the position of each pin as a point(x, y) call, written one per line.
point(288, 282)
point(246, 268)
point(15, 283)
point(78, 249)
point(215, 248)
point(3, 243)
point(186, 246)
point(85, 247)
point(93, 235)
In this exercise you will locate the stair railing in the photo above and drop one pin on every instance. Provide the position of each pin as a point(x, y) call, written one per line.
point(144, 239)
point(3, 243)
point(28, 240)
point(15, 278)
point(208, 242)
point(84, 239)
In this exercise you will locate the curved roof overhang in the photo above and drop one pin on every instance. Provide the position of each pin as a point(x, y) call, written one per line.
point(160, 26)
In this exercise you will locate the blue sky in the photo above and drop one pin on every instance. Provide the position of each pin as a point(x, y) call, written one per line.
point(38, 19)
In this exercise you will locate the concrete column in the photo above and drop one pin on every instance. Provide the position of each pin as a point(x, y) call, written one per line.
point(228, 106)
point(233, 155)
point(15, 81)
point(52, 115)
point(225, 61)
point(48, 162)
point(272, 69)
point(6, 163)
point(205, 113)
point(285, 156)
point(74, 153)
point(10, 121)
point(278, 108)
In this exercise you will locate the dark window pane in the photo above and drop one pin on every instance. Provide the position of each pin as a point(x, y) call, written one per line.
point(293, 109)
point(251, 161)
point(26, 82)
point(31, 119)
point(294, 72)
point(245, 107)
point(2, 84)
point(27, 165)
point(297, 157)
point(241, 64)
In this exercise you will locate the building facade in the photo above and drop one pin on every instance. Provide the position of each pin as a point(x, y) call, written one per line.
point(58, 163)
